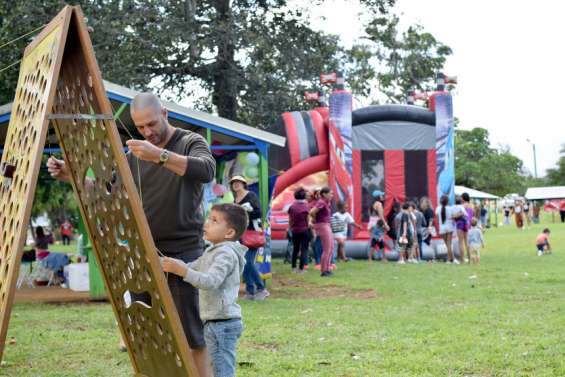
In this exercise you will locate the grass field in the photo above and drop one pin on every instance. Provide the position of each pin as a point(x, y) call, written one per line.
point(505, 317)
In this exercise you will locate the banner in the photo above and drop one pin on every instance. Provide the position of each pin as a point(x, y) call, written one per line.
point(445, 146)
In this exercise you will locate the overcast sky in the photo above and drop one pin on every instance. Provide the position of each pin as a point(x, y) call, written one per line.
point(508, 57)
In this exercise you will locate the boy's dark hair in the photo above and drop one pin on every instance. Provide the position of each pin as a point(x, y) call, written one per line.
point(341, 206)
point(236, 217)
point(405, 205)
point(458, 200)
point(474, 221)
point(465, 197)
point(546, 230)
point(300, 194)
point(380, 223)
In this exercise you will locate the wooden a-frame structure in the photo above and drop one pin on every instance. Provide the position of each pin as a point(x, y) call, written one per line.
point(60, 82)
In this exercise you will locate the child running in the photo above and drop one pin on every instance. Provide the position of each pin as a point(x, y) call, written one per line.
point(542, 242)
point(216, 274)
point(475, 242)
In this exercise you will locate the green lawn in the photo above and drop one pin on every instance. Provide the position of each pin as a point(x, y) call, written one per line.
point(505, 317)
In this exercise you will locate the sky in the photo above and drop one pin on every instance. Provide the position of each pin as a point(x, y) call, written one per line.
point(509, 60)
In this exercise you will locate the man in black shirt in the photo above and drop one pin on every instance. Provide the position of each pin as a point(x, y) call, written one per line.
point(169, 168)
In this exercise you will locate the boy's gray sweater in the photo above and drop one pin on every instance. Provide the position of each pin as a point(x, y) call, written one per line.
point(216, 274)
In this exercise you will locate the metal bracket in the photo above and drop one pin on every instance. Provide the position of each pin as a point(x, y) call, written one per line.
point(80, 117)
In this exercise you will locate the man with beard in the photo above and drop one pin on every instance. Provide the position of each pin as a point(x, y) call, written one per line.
point(169, 168)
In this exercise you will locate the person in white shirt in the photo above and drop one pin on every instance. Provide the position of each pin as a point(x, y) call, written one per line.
point(446, 226)
point(340, 222)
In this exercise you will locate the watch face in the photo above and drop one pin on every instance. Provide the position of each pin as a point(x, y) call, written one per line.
point(164, 156)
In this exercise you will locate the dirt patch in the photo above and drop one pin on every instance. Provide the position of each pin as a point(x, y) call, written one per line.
point(54, 294)
point(285, 286)
point(272, 347)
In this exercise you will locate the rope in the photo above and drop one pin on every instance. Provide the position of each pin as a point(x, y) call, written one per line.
point(159, 252)
point(10, 66)
point(22, 36)
point(136, 159)
point(15, 40)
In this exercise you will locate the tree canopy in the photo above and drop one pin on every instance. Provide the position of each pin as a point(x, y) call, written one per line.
point(479, 166)
point(244, 60)
point(556, 175)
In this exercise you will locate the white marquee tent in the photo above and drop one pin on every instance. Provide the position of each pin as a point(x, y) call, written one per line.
point(543, 193)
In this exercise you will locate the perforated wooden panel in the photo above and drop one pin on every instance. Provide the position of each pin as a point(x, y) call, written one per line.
point(60, 73)
point(112, 211)
point(22, 154)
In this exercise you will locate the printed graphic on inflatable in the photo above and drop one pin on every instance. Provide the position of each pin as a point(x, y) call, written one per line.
point(339, 177)
point(445, 169)
point(280, 203)
point(340, 115)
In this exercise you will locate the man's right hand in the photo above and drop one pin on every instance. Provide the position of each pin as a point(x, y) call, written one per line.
point(58, 169)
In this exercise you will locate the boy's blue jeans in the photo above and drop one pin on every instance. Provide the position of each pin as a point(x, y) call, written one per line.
point(318, 250)
point(250, 273)
point(221, 340)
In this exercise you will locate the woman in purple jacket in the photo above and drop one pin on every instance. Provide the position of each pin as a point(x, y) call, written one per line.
point(298, 223)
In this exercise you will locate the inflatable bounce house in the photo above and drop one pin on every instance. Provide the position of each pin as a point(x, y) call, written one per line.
point(405, 151)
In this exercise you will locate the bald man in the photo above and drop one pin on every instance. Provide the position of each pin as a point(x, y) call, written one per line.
point(174, 164)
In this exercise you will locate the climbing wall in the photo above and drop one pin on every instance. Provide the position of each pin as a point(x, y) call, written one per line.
point(22, 153)
point(111, 209)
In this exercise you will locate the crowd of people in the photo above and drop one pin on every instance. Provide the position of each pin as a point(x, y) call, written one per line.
point(524, 213)
point(404, 230)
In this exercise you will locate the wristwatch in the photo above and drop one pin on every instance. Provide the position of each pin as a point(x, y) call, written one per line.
point(163, 157)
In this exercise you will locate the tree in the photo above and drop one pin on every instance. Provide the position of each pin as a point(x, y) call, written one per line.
point(405, 61)
point(556, 175)
point(251, 59)
point(16, 19)
point(479, 166)
point(54, 198)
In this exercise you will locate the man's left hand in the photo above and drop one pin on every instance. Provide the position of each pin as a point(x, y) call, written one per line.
point(144, 150)
point(174, 266)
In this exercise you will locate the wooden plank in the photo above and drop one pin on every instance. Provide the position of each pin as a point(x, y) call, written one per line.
point(23, 149)
point(117, 226)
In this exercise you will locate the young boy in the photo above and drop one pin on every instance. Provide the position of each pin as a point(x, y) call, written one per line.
point(475, 242)
point(216, 274)
point(405, 234)
point(377, 242)
point(542, 242)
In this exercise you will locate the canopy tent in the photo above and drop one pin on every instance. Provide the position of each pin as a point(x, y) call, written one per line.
point(474, 194)
point(543, 193)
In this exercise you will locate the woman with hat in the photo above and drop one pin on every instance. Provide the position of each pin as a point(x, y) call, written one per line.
point(254, 286)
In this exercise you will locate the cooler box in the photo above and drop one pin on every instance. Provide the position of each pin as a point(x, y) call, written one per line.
point(78, 277)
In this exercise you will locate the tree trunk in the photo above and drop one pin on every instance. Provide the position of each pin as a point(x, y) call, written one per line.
point(224, 96)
